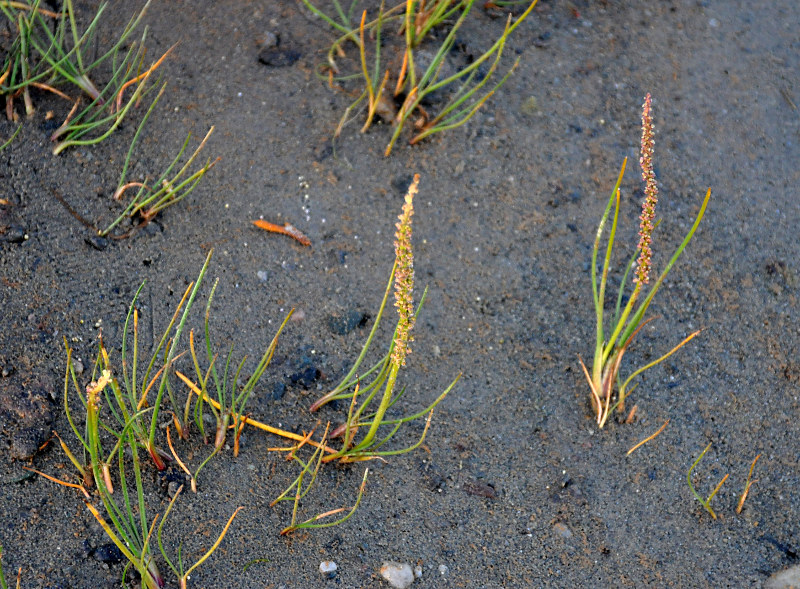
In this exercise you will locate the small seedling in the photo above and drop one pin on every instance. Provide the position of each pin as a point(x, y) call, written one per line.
point(630, 319)
point(706, 503)
point(105, 113)
point(369, 446)
point(95, 460)
point(413, 85)
point(166, 190)
point(311, 467)
point(44, 56)
point(747, 485)
point(128, 528)
point(127, 524)
point(180, 573)
point(21, 70)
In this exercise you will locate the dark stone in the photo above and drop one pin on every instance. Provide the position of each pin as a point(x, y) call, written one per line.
point(172, 475)
point(97, 242)
point(15, 234)
point(344, 324)
point(108, 553)
point(480, 489)
point(401, 183)
point(275, 57)
point(278, 391)
point(542, 40)
point(305, 378)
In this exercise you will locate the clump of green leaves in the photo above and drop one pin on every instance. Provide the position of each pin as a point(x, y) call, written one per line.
point(51, 51)
point(613, 339)
point(229, 398)
point(136, 401)
point(168, 189)
point(396, 89)
point(122, 408)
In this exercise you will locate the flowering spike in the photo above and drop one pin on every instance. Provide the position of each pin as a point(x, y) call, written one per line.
point(650, 199)
point(404, 278)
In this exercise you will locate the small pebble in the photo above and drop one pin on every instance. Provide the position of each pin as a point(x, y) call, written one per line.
point(263, 275)
point(271, 40)
point(15, 234)
point(328, 569)
point(398, 574)
point(108, 554)
point(342, 324)
point(443, 570)
point(786, 579)
point(97, 242)
point(562, 530)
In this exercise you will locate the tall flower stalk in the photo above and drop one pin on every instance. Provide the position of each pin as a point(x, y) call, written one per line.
point(628, 320)
point(389, 366)
point(356, 447)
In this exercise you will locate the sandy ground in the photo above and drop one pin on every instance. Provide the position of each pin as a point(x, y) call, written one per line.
point(515, 486)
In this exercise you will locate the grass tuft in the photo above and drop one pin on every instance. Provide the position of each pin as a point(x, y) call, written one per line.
point(413, 86)
point(615, 336)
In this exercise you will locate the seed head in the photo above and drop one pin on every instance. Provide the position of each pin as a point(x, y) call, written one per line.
point(404, 278)
point(650, 197)
point(94, 388)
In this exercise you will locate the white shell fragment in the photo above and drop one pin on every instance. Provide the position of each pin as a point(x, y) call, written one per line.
point(328, 568)
point(398, 574)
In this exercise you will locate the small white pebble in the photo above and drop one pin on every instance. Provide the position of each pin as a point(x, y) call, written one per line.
point(398, 574)
point(328, 568)
point(443, 570)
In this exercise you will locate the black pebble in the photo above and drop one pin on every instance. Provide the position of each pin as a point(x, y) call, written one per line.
point(347, 322)
point(274, 57)
point(108, 553)
point(305, 378)
point(97, 242)
point(278, 391)
point(14, 234)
